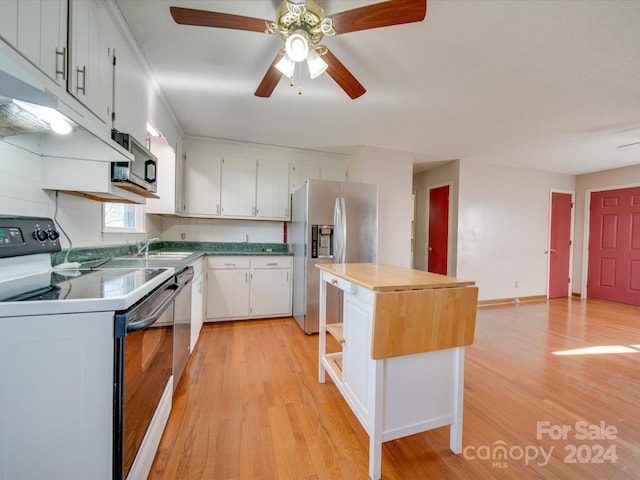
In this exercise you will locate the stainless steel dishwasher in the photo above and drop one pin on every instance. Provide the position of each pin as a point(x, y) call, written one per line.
point(182, 324)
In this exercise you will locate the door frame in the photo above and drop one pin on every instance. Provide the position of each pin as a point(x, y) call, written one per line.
point(571, 237)
point(587, 224)
point(449, 229)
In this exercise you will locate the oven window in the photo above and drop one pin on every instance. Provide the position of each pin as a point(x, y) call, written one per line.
point(122, 218)
point(148, 358)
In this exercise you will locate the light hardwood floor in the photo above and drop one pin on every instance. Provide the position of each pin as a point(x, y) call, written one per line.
point(250, 407)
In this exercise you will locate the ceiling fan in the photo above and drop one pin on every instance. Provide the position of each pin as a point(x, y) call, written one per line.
point(302, 25)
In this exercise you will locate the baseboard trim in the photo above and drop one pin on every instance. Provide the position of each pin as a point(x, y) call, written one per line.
point(514, 300)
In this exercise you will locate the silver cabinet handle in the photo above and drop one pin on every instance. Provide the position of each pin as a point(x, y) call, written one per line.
point(272, 264)
point(82, 71)
point(63, 69)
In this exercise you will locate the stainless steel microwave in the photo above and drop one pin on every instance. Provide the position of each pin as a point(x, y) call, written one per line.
point(140, 175)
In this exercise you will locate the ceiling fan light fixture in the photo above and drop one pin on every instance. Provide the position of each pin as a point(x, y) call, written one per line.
point(316, 65)
point(297, 47)
point(285, 66)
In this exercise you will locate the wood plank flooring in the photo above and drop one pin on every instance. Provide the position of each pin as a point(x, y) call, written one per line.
point(249, 405)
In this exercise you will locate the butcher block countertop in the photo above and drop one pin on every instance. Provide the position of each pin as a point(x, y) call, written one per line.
point(413, 311)
point(381, 277)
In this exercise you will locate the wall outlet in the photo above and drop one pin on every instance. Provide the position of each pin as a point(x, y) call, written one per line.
point(516, 284)
point(244, 237)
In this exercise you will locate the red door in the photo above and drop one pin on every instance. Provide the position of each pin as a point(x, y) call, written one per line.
point(614, 246)
point(438, 230)
point(560, 245)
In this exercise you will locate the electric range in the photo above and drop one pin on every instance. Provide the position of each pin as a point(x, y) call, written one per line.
point(85, 361)
point(30, 286)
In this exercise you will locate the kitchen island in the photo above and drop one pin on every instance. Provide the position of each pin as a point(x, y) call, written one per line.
point(402, 337)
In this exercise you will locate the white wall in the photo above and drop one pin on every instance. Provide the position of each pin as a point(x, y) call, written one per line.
point(392, 171)
point(503, 228)
point(585, 184)
point(208, 230)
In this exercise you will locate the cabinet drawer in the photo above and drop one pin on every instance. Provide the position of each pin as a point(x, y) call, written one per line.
point(271, 262)
point(230, 262)
point(339, 283)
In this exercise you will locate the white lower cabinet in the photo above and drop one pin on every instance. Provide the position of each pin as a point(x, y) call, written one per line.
point(248, 287)
point(227, 287)
point(197, 301)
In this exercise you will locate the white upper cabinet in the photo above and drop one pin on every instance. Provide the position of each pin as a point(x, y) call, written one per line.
point(250, 181)
point(129, 93)
point(90, 76)
point(301, 172)
point(336, 173)
point(272, 191)
point(9, 21)
point(238, 187)
point(38, 30)
point(202, 180)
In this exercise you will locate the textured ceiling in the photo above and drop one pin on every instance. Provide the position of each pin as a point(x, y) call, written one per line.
point(549, 85)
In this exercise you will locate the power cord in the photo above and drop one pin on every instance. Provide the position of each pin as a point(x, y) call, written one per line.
point(66, 263)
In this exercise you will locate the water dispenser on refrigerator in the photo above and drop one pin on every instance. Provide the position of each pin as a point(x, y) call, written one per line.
point(321, 241)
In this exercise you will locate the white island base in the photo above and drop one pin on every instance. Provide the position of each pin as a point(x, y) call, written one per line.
point(401, 368)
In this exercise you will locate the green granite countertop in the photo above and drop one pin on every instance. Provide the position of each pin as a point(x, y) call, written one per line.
point(94, 257)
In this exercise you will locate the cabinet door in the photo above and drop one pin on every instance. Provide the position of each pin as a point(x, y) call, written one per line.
point(238, 192)
point(202, 177)
point(166, 177)
point(271, 292)
point(301, 172)
point(9, 21)
point(90, 78)
point(29, 19)
point(129, 92)
point(53, 40)
point(180, 179)
point(357, 363)
point(272, 190)
point(38, 30)
point(335, 173)
point(227, 294)
point(197, 307)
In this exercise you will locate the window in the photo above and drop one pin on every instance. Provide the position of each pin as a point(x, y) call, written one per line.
point(122, 217)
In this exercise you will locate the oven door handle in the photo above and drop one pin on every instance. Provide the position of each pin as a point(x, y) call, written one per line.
point(143, 323)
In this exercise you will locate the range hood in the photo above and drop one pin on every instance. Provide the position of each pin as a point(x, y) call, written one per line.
point(23, 128)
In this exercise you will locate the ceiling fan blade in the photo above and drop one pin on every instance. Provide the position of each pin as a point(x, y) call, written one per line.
point(342, 76)
point(205, 18)
point(270, 79)
point(384, 14)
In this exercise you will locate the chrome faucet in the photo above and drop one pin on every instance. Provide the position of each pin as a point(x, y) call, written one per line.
point(143, 246)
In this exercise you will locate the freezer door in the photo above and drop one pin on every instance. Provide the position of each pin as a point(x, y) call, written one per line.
point(360, 217)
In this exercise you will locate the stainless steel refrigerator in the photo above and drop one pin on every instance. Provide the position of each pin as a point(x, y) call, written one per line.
point(331, 222)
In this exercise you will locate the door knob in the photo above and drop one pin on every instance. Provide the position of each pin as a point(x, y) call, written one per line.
point(430, 249)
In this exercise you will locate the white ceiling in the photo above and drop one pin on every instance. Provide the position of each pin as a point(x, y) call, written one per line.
point(545, 84)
